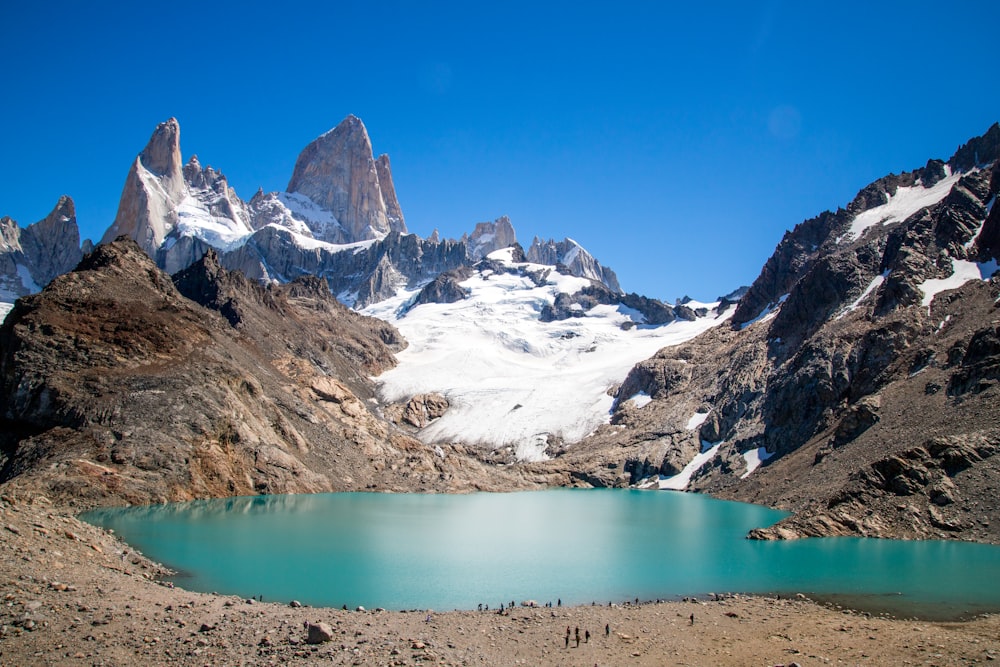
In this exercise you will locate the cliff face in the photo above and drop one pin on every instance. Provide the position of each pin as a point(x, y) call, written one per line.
point(339, 173)
point(31, 257)
point(120, 385)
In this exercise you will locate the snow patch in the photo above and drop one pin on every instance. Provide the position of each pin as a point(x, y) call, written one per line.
point(872, 286)
point(4, 309)
point(29, 283)
point(903, 204)
point(769, 313)
point(753, 458)
point(696, 420)
point(641, 400)
point(680, 481)
point(962, 272)
point(195, 219)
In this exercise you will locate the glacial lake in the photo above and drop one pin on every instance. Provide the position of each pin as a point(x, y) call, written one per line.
point(415, 551)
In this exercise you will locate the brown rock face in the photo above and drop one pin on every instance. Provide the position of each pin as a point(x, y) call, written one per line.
point(119, 385)
point(338, 172)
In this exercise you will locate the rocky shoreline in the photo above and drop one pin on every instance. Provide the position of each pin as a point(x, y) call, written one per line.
point(74, 594)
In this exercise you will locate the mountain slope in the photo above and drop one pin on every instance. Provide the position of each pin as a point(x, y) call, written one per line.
point(858, 382)
point(118, 388)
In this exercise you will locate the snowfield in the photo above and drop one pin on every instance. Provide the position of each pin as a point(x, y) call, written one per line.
point(512, 380)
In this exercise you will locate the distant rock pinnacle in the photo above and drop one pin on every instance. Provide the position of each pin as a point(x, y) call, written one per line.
point(339, 173)
point(144, 214)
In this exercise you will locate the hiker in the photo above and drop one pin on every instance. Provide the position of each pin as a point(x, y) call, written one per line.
point(578, 637)
point(559, 602)
point(586, 637)
point(607, 630)
point(692, 619)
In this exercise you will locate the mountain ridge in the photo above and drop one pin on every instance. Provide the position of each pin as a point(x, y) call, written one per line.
point(855, 381)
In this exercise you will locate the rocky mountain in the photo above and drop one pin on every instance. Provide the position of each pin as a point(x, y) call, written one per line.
point(31, 257)
point(120, 384)
point(858, 381)
point(339, 220)
point(855, 381)
point(519, 358)
point(578, 262)
point(338, 173)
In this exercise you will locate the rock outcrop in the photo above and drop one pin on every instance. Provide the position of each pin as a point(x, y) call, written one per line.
point(339, 173)
point(490, 236)
point(175, 212)
point(578, 262)
point(31, 257)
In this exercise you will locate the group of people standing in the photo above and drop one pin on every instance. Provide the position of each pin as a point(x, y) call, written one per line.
point(586, 634)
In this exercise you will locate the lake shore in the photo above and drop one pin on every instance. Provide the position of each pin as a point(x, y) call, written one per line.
point(75, 594)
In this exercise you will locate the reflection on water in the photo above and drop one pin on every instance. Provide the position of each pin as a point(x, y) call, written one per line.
point(439, 551)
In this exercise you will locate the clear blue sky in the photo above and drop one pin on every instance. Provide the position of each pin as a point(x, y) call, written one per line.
point(675, 141)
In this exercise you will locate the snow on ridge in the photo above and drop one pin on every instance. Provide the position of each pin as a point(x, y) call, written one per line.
point(872, 286)
point(769, 312)
point(962, 272)
point(310, 243)
point(680, 481)
point(903, 204)
point(5, 308)
point(512, 380)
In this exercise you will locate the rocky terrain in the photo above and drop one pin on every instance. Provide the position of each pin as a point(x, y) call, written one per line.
point(860, 371)
point(121, 385)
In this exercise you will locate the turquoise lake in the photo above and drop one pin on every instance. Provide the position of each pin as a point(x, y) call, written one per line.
point(411, 551)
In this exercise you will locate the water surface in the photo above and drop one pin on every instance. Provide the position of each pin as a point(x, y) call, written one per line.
point(412, 551)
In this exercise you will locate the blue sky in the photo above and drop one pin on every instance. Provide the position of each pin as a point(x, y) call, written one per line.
point(677, 144)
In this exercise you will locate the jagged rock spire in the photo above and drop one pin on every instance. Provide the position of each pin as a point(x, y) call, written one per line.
point(143, 215)
point(339, 173)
